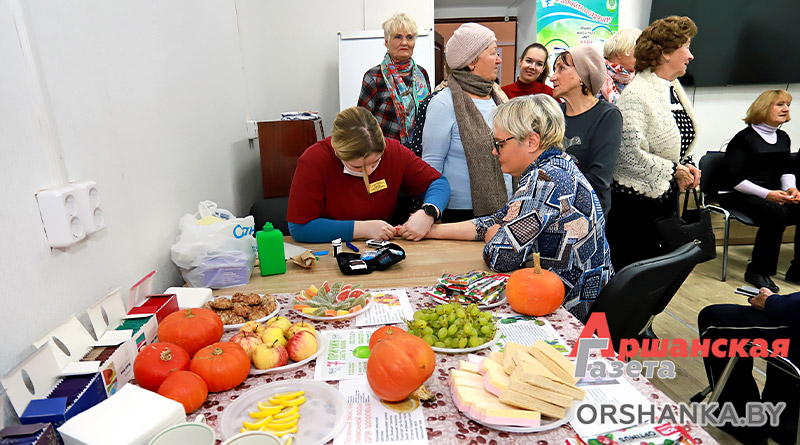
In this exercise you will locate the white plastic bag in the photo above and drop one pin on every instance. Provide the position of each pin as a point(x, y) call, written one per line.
point(197, 244)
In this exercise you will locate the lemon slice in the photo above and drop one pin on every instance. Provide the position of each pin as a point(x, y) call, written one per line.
point(273, 408)
point(285, 421)
point(294, 402)
point(287, 411)
point(257, 425)
point(289, 395)
point(283, 433)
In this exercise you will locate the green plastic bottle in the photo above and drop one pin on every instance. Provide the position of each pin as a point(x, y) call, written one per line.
point(271, 258)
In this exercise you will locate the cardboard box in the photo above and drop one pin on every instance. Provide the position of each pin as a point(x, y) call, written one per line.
point(57, 411)
point(160, 305)
point(34, 434)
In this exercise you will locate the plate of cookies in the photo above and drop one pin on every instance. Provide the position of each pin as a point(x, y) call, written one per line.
point(241, 307)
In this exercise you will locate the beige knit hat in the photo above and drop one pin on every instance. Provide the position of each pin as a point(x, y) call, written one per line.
point(590, 65)
point(467, 43)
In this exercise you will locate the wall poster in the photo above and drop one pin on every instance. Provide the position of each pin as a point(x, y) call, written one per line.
point(563, 24)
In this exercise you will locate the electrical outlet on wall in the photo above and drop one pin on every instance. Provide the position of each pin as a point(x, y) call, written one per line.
point(59, 210)
point(89, 210)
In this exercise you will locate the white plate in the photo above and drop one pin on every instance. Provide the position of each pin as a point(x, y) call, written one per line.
point(468, 350)
point(338, 317)
point(234, 327)
point(480, 306)
point(293, 365)
point(322, 416)
point(545, 425)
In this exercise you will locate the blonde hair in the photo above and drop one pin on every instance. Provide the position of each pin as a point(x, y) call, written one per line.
point(357, 135)
point(621, 43)
point(538, 113)
point(396, 22)
point(759, 109)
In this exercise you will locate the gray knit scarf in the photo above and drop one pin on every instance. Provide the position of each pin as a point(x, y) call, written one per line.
point(486, 178)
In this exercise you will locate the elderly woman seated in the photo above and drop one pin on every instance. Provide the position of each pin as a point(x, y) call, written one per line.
point(554, 210)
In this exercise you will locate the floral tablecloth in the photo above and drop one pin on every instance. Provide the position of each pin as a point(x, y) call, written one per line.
point(445, 424)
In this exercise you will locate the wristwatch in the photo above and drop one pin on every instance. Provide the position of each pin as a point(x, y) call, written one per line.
point(431, 210)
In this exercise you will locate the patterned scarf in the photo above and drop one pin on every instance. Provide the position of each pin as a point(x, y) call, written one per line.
point(616, 75)
point(486, 183)
point(405, 100)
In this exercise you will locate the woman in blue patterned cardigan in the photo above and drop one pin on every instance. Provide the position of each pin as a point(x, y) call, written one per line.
point(554, 210)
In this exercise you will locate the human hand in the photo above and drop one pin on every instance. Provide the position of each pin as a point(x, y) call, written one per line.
point(695, 174)
point(779, 196)
point(417, 226)
point(374, 228)
point(759, 300)
point(684, 177)
point(491, 232)
point(794, 195)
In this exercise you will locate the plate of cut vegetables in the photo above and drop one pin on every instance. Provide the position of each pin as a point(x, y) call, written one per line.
point(329, 302)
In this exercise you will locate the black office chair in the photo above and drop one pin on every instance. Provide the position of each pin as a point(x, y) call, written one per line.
point(711, 166)
point(780, 363)
point(642, 290)
point(272, 210)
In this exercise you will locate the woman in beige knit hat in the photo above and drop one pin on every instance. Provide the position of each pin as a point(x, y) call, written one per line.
point(456, 138)
point(593, 126)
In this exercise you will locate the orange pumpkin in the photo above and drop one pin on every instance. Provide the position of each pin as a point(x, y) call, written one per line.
point(185, 387)
point(398, 366)
point(156, 361)
point(535, 291)
point(191, 329)
point(222, 365)
point(382, 333)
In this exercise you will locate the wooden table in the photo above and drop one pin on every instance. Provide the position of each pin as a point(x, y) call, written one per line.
point(426, 261)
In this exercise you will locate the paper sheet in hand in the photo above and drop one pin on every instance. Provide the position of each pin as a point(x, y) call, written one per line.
point(371, 421)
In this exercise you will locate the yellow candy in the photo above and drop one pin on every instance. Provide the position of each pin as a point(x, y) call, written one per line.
point(289, 395)
point(294, 402)
point(287, 411)
point(274, 408)
point(257, 425)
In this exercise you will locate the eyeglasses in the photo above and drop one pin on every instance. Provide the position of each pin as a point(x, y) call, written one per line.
point(499, 144)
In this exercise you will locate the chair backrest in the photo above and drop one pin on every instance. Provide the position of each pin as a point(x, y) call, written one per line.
point(712, 166)
point(642, 290)
point(272, 210)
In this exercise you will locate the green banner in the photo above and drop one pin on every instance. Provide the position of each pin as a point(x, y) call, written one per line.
point(563, 24)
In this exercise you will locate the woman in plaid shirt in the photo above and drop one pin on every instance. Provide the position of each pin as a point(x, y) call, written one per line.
point(393, 90)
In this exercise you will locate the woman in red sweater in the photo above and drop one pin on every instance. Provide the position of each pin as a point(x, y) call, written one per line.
point(533, 71)
point(346, 186)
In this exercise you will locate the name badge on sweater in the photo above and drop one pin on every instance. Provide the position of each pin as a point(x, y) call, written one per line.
point(377, 186)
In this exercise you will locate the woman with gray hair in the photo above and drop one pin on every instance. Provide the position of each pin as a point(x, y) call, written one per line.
point(456, 138)
point(393, 90)
point(553, 211)
point(620, 62)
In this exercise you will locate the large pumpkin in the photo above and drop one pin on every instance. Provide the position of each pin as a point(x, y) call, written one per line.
point(535, 291)
point(222, 365)
point(185, 387)
point(382, 333)
point(155, 361)
point(398, 365)
point(191, 329)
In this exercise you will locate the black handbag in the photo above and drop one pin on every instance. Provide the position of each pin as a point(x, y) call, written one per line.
point(687, 226)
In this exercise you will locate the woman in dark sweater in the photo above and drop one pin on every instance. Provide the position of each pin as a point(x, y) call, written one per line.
point(763, 184)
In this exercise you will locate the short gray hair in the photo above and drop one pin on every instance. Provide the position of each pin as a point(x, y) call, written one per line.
point(621, 43)
point(396, 22)
point(538, 113)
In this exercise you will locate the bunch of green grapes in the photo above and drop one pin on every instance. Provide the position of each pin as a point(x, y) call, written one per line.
point(453, 326)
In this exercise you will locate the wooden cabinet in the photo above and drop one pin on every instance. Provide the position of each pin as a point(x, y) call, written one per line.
point(281, 143)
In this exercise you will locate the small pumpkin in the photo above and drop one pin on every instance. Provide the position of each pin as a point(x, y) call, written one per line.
point(185, 387)
point(191, 329)
point(398, 366)
point(535, 291)
point(223, 365)
point(382, 333)
point(155, 361)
